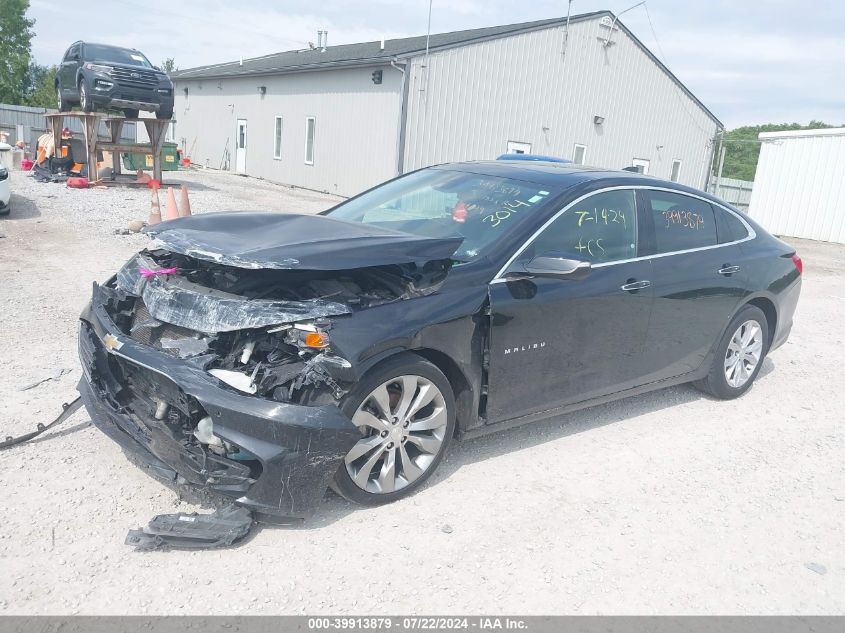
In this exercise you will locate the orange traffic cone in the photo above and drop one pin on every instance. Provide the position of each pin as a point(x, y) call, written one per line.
point(155, 209)
point(170, 210)
point(184, 203)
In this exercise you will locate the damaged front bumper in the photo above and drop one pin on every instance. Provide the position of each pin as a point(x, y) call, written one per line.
point(293, 450)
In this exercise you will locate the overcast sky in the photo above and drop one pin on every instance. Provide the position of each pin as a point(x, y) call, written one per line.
point(749, 61)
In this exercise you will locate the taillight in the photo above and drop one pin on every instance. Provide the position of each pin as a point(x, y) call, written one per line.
point(798, 263)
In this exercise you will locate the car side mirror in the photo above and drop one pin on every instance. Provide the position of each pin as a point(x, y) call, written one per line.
point(558, 267)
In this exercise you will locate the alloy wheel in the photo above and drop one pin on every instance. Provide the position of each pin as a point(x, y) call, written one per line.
point(404, 422)
point(743, 354)
point(59, 100)
point(83, 97)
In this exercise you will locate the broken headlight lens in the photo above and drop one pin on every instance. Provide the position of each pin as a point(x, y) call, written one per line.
point(307, 337)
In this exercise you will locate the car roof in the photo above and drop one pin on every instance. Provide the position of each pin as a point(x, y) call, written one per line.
point(566, 175)
point(121, 48)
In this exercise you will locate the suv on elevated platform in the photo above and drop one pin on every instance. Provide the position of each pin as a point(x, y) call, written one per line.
point(98, 75)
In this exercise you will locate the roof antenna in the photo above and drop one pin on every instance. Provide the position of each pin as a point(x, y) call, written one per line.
point(566, 33)
point(615, 18)
point(428, 31)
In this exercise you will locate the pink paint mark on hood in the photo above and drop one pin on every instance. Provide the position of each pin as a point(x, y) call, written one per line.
point(146, 273)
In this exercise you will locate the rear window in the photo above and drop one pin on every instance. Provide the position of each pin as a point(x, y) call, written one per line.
point(680, 222)
point(100, 53)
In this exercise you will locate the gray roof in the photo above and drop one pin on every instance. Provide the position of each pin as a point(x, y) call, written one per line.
point(371, 53)
point(364, 52)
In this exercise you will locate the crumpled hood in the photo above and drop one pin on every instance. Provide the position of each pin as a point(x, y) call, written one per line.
point(295, 241)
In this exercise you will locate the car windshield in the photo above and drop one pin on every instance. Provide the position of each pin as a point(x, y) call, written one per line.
point(444, 203)
point(96, 52)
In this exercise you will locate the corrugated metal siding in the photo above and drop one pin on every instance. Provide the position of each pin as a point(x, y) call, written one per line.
point(34, 124)
point(470, 101)
point(356, 136)
point(799, 189)
point(737, 192)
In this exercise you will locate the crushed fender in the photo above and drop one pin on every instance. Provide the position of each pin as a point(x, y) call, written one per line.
point(221, 528)
point(68, 409)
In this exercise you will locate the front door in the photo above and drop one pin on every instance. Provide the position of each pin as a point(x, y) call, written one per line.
point(240, 147)
point(558, 341)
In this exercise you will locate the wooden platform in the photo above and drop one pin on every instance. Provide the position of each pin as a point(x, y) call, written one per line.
point(156, 131)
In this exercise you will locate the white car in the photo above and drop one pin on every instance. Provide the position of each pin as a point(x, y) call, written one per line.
point(5, 192)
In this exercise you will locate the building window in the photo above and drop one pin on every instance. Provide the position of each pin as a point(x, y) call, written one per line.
point(642, 165)
point(676, 170)
point(277, 139)
point(517, 147)
point(310, 124)
point(579, 154)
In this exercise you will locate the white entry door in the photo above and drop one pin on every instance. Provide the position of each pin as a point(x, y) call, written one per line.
point(240, 147)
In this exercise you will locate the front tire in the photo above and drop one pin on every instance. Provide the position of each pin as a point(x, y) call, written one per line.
point(738, 357)
point(85, 97)
point(63, 105)
point(405, 410)
point(164, 114)
point(131, 114)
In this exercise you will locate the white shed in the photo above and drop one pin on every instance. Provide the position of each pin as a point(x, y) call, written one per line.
point(799, 189)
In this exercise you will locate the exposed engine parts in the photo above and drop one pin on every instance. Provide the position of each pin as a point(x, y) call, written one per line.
point(262, 331)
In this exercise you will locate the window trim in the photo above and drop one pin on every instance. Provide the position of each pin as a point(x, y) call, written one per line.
point(752, 234)
point(278, 120)
point(583, 158)
point(313, 140)
point(679, 163)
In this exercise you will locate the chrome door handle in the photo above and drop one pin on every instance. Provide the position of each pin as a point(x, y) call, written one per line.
point(729, 270)
point(636, 285)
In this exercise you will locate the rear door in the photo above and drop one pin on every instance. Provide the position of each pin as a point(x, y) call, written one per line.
point(67, 71)
point(557, 341)
point(698, 280)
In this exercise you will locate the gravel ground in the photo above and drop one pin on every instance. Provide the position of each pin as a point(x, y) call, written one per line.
point(665, 503)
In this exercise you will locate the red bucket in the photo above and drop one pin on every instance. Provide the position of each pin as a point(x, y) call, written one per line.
point(26, 164)
point(77, 183)
point(186, 162)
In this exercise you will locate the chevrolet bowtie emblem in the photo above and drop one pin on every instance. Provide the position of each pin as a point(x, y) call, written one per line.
point(111, 342)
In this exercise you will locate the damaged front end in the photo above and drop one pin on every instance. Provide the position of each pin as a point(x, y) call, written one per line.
point(208, 367)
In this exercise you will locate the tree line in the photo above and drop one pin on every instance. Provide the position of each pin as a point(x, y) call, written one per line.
point(23, 81)
point(743, 147)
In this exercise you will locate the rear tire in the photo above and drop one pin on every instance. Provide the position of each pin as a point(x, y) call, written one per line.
point(131, 114)
point(739, 355)
point(393, 458)
point(166, 114)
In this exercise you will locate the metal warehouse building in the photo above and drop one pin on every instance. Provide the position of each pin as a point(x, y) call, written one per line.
point(799, 188)
point(343, 118)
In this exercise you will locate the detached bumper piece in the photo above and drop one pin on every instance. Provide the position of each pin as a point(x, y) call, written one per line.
point(222, 528)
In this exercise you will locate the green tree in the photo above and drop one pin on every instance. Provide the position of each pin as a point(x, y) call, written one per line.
point(43, 87)
point(743, 147)
point(15, 41)
point(169, 65)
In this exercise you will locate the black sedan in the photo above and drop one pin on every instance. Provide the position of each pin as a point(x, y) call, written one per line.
point(268, 356)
